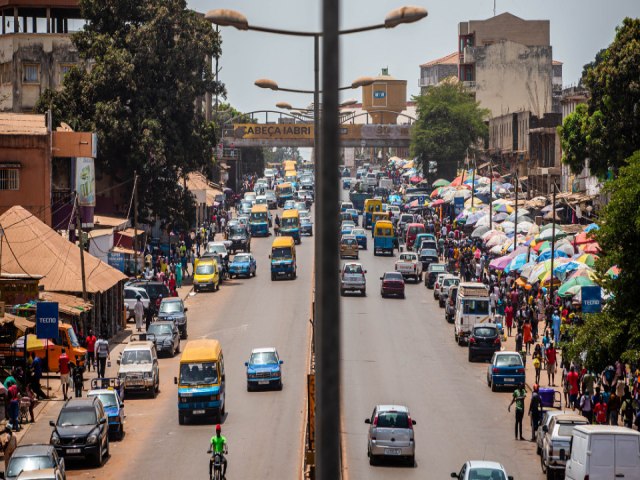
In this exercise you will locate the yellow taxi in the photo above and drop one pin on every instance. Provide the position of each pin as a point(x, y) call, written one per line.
point(207, 275)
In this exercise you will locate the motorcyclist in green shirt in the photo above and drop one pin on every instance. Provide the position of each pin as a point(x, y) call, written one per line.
point(219, 445)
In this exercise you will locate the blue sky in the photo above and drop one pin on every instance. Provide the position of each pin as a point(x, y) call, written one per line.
point(579, 28)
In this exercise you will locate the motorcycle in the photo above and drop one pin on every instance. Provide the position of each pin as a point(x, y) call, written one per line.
point(215, 465)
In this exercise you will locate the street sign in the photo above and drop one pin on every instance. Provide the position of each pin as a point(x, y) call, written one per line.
point(47, 320)
point(379, 94)
point(458, 205)
point(591, 299)
point(116, 260)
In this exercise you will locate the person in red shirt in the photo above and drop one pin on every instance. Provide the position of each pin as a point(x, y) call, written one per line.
point(600, 411)
point(91, 351)
point(508, 317)
point(573, 378)
point(65, 379)
point(14, 406)
point(551, 365)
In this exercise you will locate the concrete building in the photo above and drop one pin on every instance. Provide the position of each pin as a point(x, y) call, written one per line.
point(433, 72)
point(507, 63)
point(41, 170)
point(524, 143)
point(35, 49)
point(385, 98)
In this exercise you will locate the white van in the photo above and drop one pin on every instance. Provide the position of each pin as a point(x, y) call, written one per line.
point(472, 307)
point(602, 452)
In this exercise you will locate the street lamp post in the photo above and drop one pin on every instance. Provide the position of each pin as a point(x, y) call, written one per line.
point(327, 149)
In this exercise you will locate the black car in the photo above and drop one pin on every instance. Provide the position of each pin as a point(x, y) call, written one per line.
point(82, 430)
point(27, 458)
point(484, 341)
point(432, 272)
point(427, 257)
point(240, 239)
point(450, 304)
point(166, 337)
point(154, 289)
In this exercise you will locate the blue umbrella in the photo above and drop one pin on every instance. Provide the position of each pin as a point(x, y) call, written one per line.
point(591, 227)
point(518, 262)
point(565, 268)
point(546, 255)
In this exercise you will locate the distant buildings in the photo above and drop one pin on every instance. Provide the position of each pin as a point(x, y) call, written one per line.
point(433, 72)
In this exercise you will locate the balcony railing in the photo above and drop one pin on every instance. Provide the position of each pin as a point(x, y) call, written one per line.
point(470, 84)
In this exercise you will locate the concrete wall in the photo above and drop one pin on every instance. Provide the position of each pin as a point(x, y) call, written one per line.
point(51, 52)
point(430, 76)
point(512, 77)
point(507, 27)
point(31, 152)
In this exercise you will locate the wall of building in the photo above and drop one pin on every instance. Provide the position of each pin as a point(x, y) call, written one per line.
point(430, 76)
point(51, 54)
point(507, 27)
point(31, 154)
point(512, 77)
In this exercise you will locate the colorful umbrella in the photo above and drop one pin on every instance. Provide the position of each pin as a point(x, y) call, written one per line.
point(582, 238)
point(436, 192)
point(546, 255)
point(575, 281)
point(457, 181)
point(437, 202)
point(547, 234)
point(502, 208)
point(441, 182)
point(613, 272)
point(587, 259)
point(539, 246)
point(591, 227)
point(500, 263)
point(479, 231)
point(592, 247)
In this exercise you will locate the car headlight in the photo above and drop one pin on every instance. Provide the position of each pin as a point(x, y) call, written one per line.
point(93, 438)
point(148, 375)
point(167, 342)
point(55, 439)
point(276, 373)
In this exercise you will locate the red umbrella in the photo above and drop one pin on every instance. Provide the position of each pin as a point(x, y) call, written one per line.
point(583, 237)
point(457, 181)
point(415, 179)
point(437, 202)
point(592, 248)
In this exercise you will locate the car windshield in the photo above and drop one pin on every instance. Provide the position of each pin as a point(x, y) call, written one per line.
point(206, 269)
point(393, 276)
point(450, 281)
point(263, 358)
point(348, 241)
point(383, 232)
point(216, 248)
point(436, 268)
point(160, 329)
point(171, 307)
point(290, 222)
point(107, 399)
point(19, 464)
point(237, 230)
point(476, 307)
point(407, 257)
point(486, 474)
point(508, 361)
point(485, 332)
point(282, 252)
point(241, 259)
point(566, 429)
point(77, 416)
point(132, 357)
point(352, 269)
point(429, 253)
point(259, 216)
point(198, 373)
point(393, 420)
point(73, 338)
point(358, 231)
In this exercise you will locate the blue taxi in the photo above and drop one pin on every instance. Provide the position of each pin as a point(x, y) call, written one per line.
point(243, 264)
point(264, 369)
point(361, 237)
point(110, 391)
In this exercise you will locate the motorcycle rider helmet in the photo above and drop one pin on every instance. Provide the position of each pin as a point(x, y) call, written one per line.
point(218, 428)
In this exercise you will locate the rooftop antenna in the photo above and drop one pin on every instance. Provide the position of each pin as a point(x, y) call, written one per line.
point(494, 8)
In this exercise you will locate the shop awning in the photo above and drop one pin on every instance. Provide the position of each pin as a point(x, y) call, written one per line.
point(21, 323)
point(68, 304)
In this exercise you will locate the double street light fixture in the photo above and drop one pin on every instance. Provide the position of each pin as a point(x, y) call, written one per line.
point(273, 85)
point(327, 299)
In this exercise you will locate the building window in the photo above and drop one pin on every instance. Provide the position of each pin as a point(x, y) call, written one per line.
point(5, 72)
point(31, 73)
point(64, 69)
point(9, 179)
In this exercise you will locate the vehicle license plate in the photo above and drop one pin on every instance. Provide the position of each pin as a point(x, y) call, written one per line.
point(72, 451)
point(392, 451)
point(198, 412)
point(509, 379)
point(263, 382)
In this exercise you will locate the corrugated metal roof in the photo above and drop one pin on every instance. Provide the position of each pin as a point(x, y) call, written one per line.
point(22, 124)
point(30, 246)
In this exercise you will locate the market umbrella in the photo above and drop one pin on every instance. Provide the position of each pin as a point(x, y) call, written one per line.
point(563, 269)
point(546, 255)
point(437, 192)
point(572, 291)
point(575, 281)
point(496, 240)
point(591, 227)
point(582, 238)
point(524, 227)
point(613, 272)
point(33, 343)
point(496, 250)
point(503, 208)
point(437, 202)
point(500, 217)
point(547, 234)
point(475, 216)
point(476, 203)
point(592, 247)
point(441, 182)
point(458, 180)
point(500, 263)
point(587, 259)
point(479, 231)
point(518, 262)
point(415, 179)
point(566, 247)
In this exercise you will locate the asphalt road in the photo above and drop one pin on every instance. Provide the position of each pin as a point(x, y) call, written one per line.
point(264, 429)
point(398, 351)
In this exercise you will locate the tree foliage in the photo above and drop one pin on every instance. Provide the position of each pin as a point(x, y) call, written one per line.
point(450, 123)
point(145, 68)
point(609, 131)
point(278, 154)
point(616, 332)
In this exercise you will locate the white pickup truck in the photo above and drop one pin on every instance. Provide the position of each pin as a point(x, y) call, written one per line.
point(410, 266)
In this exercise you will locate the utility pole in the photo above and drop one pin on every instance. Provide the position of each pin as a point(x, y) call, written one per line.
point(473, 184)
point(553, 242)
point(135, 223)
point(515, 229)
point(491, 196)
point(81, 242)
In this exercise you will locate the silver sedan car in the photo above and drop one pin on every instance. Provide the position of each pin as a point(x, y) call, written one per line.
point(391, 434)
point(481, 469)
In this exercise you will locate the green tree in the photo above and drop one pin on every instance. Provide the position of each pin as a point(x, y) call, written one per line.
point(450, 123)
point(145, 69)
point(615, 333)
point(609, 131)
